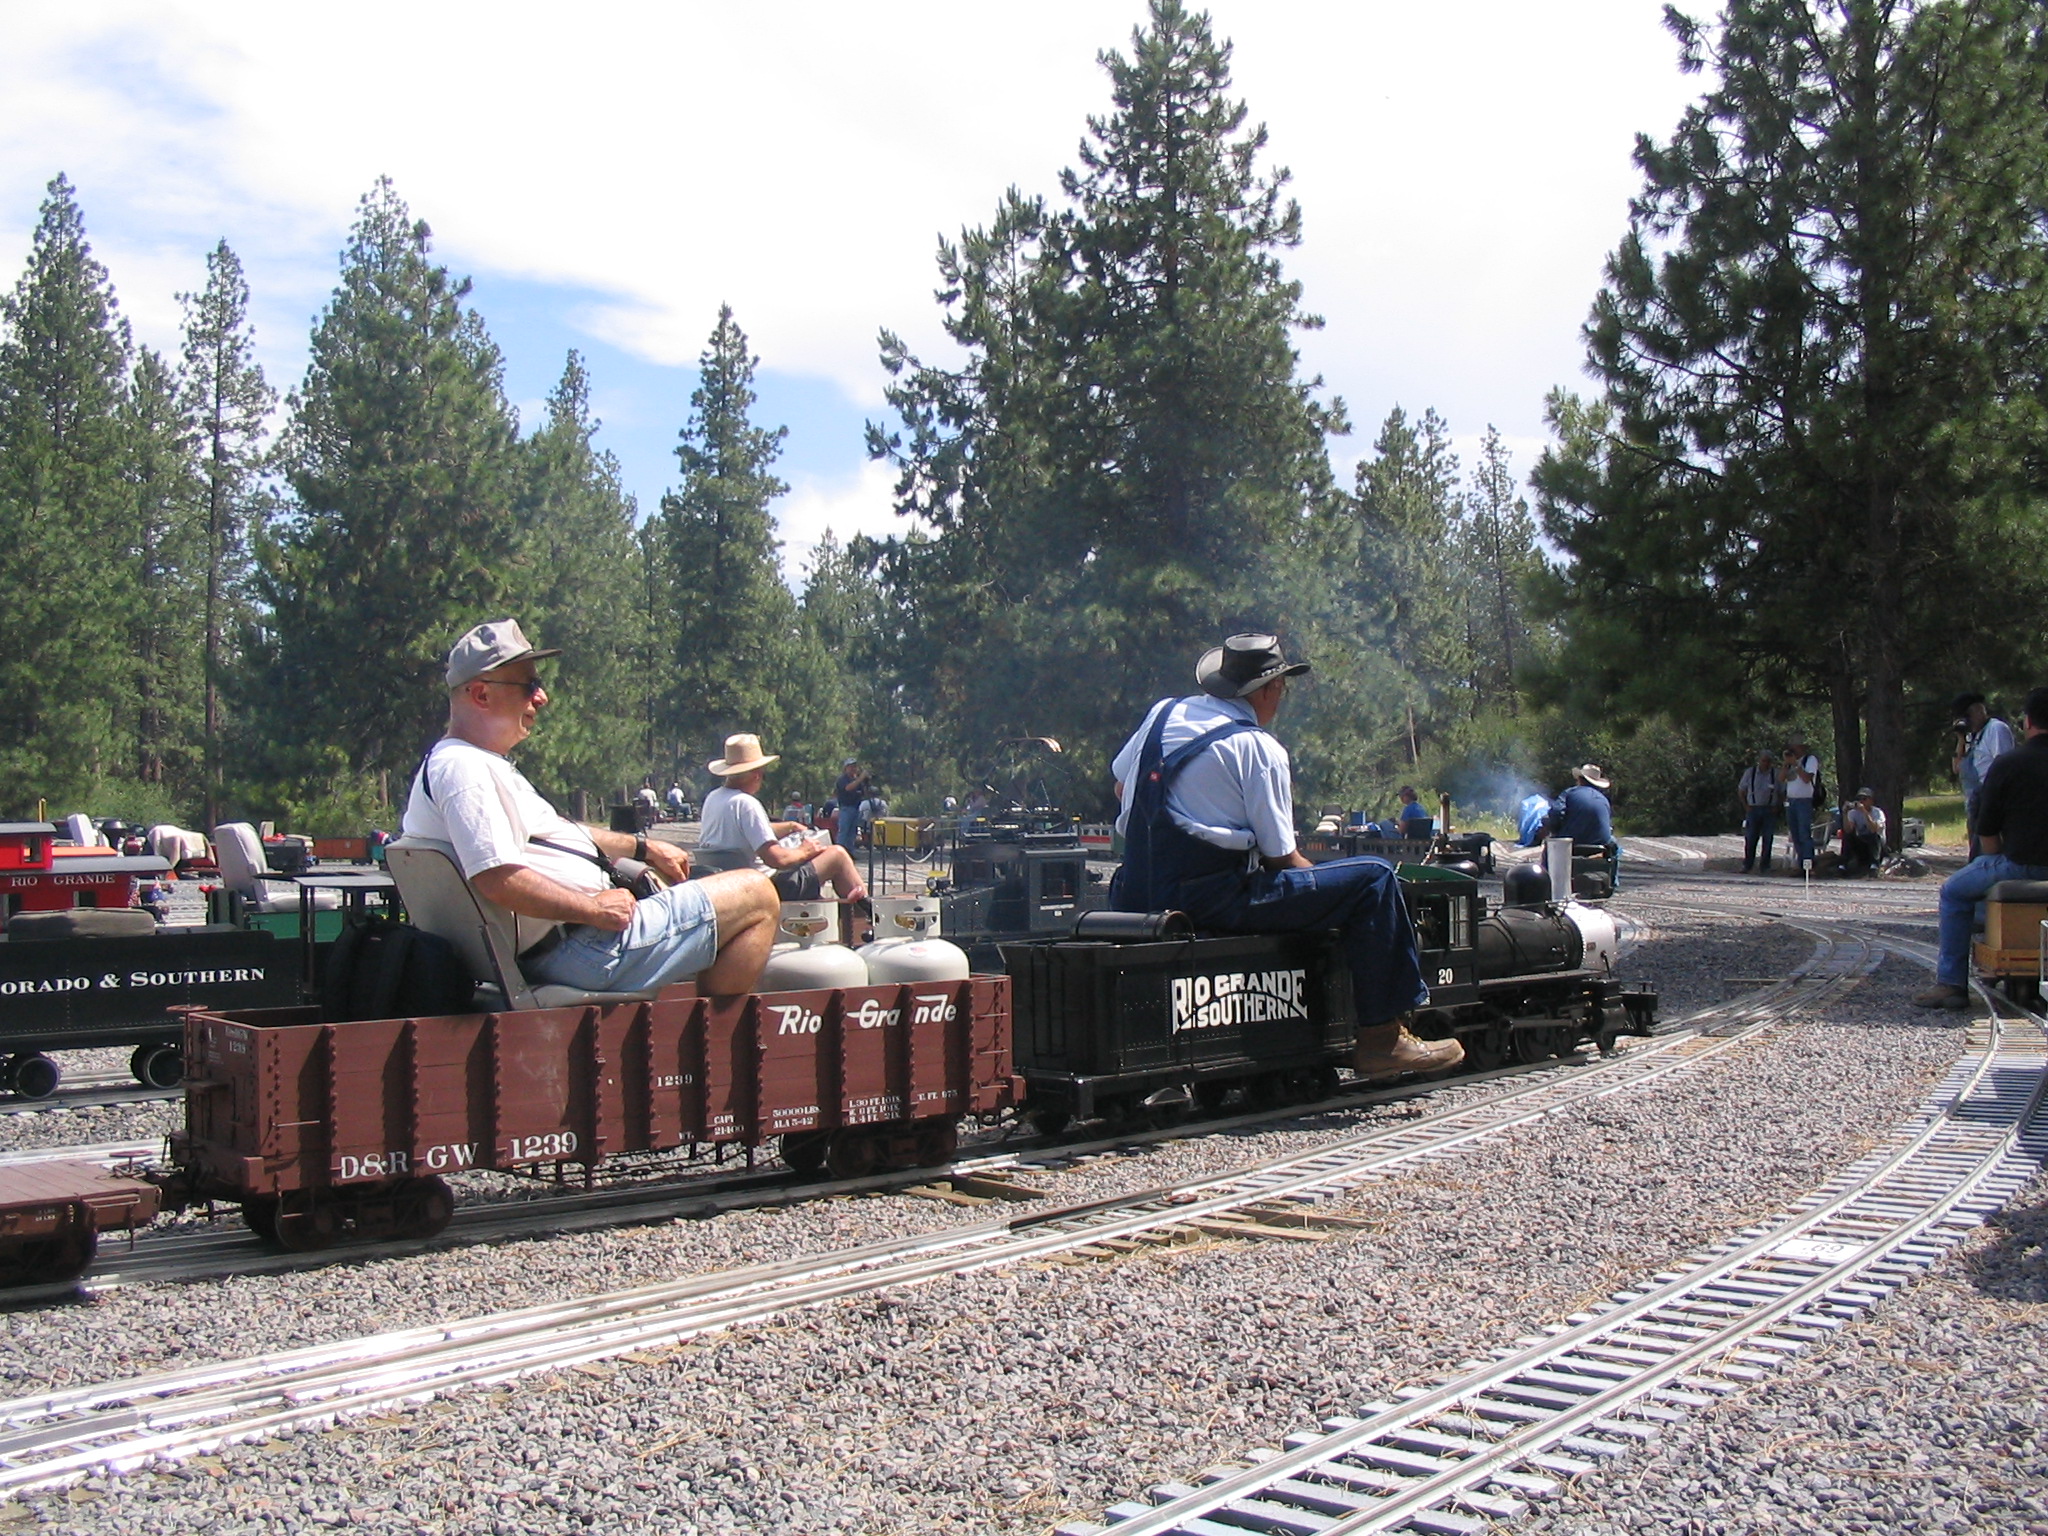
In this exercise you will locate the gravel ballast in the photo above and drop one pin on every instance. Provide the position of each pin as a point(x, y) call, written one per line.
point(1009, 1400)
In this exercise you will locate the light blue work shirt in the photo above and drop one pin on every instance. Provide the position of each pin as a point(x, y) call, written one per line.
point(1239, 793)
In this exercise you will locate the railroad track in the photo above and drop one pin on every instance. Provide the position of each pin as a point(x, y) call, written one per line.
point(90, 1090)
point(50, 1439)
point(1476, 1447)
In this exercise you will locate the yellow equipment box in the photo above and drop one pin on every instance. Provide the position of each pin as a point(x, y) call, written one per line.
point(903, 831)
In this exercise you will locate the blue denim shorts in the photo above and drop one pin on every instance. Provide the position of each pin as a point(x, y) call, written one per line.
point(673, 936)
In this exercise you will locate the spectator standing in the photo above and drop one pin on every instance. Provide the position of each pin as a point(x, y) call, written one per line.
point(1758, 792)
point(1802, 771)
point(1981, 739)
point(847, 794)
point(2013, 826)
point(678, 802)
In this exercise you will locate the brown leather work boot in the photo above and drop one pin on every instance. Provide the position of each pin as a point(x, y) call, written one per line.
point(1388, 1050)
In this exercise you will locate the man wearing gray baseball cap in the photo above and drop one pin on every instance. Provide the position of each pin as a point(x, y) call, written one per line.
point(520, 853)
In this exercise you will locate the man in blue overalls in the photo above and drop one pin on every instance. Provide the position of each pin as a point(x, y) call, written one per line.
point(1208, 823)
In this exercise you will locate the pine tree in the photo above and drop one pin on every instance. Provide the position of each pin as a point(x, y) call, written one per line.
point(401, 456)
point(229, 402)
point(1408, 576)
point(727, 616)
point(578, 585)
point(65, 519)
point(1821, 346)
point(1498, 542)
point(1127, 464)
point(166, 643)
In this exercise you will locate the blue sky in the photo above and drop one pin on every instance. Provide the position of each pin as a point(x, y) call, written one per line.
point(609, 176)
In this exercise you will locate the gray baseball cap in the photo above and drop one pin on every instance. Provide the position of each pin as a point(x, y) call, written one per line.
point(490, 645)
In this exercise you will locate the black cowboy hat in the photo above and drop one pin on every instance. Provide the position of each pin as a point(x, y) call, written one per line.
point(1243, 664)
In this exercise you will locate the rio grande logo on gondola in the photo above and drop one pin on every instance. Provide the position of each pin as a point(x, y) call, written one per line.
point(1238, 997)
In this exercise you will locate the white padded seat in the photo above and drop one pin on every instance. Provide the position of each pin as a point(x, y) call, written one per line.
point(239, 852)
point(79, 828)
point(438, 900)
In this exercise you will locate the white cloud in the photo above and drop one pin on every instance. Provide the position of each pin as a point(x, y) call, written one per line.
point(1462, 167)
point(842, 505)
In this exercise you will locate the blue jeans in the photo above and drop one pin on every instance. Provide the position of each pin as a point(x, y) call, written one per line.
point(1799, 824)
point(673, 936)
point(1960, 893)
point(1360, 898)
point(1758, 828)
point(847, 832)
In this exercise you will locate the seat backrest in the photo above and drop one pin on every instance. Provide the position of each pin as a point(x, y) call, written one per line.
point(440, 901)
point(79, 828)
point(713, 861)
point(240, 854)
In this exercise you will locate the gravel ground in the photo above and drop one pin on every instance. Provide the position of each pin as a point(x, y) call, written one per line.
point(1007, 1401)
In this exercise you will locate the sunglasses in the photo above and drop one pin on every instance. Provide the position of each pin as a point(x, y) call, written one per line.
point(532, 685)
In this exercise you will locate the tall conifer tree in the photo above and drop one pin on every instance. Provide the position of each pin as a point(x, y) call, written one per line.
point(401, 459)
point(229, 403)
point(1128, 438)
point(729, 619)
point(66, 532)
point(170, 563)
point(1822, 351)
point(578, 586)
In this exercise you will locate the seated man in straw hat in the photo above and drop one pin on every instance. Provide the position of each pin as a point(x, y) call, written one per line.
point(1208, 823)
point(736, 828)
point(516, 850)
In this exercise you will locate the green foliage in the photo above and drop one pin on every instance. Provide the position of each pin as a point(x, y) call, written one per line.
point(167, 526)
point(66, 518)
point(402, 461)
point(1126, 452)
point(1821, 347)
point(577, 584)
point(228, 402)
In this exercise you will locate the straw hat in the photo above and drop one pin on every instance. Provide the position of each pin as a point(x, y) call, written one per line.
point(742, 755)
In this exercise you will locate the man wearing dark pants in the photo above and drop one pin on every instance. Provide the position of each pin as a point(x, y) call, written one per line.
point(2012, 824)
point(1758, 792)
point(1208, 823)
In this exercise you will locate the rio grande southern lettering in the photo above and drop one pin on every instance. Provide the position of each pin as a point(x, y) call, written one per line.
point(1238, 997)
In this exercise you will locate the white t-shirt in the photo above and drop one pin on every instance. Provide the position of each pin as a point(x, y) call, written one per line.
point(734, 822)
point(1992, 743)
point(1797, 788)
point(485, 809)
point(1237, 794)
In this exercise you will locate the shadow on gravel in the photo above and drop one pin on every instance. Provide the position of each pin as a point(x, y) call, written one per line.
point(2014, 1267)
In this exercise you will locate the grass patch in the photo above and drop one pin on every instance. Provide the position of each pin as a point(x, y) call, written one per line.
point(1943, 815)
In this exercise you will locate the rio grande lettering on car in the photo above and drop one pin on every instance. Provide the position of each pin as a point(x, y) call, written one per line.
point(1222, 998)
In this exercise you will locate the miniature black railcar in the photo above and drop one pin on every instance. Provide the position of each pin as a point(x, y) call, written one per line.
point(1146, 1028)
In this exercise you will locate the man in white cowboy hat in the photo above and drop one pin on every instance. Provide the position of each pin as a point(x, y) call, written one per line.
point(1208, 823)
point(516, 850)
point(736, 828)
point(1582, 813)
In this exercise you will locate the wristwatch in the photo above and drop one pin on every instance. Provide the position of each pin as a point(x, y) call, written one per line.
point(640, 847)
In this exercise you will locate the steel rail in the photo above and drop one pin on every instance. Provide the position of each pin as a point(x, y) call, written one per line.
point(182, 1412)
point(1453, 1457)
point(1781, 1285)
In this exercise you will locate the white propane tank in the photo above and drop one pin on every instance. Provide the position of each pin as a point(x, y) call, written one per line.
point(807, 957)
point(911, 949)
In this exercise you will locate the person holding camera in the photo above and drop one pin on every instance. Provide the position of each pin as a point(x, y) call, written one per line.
point(847, 795)
point(1802, 778)
point(1863, 831)
point(1981, 739)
